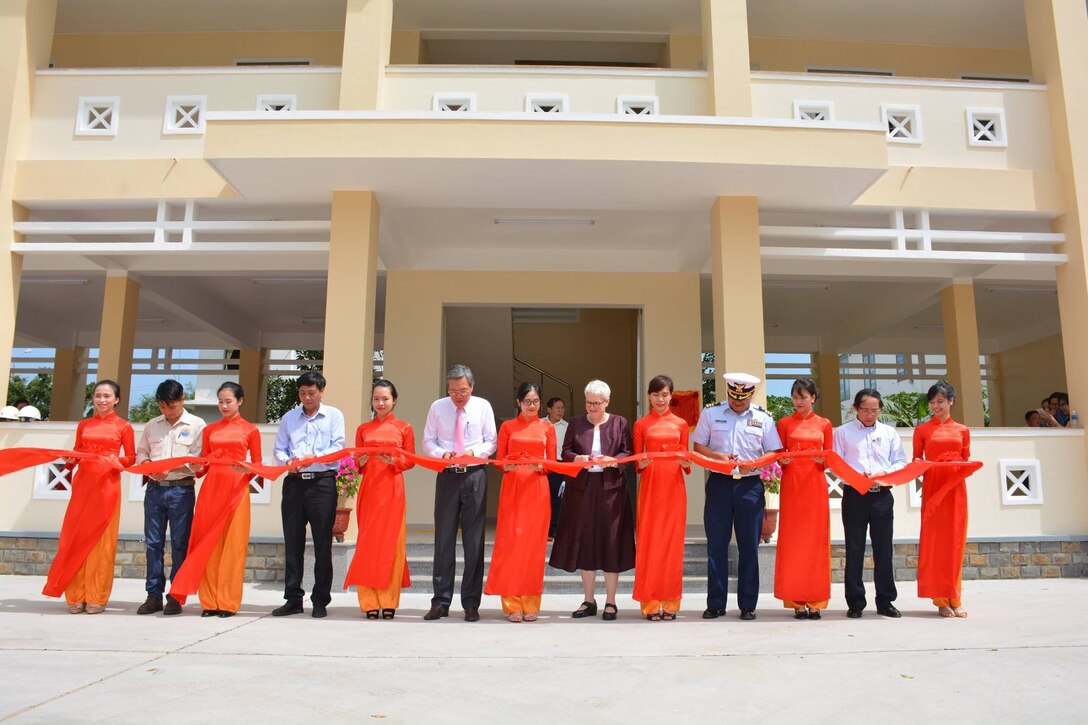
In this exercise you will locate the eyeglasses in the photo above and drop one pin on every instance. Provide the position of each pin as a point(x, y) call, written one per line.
point(531, 403)
point(596, 403)
point(875, 411)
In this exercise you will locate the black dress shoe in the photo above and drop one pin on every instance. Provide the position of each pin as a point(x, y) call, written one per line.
point(472, 614)
point(287, 609)
point(814, 614)
point(173, 606)
point(712, 613)
point(854, 612)
point(224, 615)
point(152, 604)
point(437, 611)
point(747, 614)
point(585, 609)
point(800, 614)
point(319, 611)
point(607, 615)
point(209, 613)
point(889, 610)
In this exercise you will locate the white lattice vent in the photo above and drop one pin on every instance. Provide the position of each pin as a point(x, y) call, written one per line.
point(813, 110)
point(545, 103)
point(1021, 481)
point(903, 123)
point(914, 493)
point(184, 115)
point(260, 490)
point(97, 116)
point(51, 481)
point(835, 487)
point(986, 127)
point(636, 105)
point(454, 102)
point(278, 103)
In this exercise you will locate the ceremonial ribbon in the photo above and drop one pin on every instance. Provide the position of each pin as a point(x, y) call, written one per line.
point(15, 459)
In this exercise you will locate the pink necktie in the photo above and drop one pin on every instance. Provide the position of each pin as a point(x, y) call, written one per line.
point(459, 432)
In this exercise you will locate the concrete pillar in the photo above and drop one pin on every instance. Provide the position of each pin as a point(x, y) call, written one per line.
point(827, 379)
point(1059, 58)
point(961, 352)
point(250, 362)
point(118, 334)
point(349, 304)
point(725, 52)
point(736, 281)
point(368, 31)
point(69, 386)
point(26, 40)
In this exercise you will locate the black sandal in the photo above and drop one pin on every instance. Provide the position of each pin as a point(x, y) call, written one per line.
point(389, 613)
point(668, 616)
point(655, 617)
point(372, 614)
point(585, 609)
point(607, 615)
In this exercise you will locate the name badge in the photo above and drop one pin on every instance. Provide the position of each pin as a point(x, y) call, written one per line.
point(755, 423)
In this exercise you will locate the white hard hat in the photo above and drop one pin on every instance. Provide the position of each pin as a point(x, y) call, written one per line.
point(9, 412)
point(29, 412)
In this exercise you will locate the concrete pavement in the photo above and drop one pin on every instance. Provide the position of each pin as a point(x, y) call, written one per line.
point(1021, 656)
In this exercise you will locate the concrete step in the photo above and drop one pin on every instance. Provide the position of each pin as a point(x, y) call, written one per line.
point(556, 581)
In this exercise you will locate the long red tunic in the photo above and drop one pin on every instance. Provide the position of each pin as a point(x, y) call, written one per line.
point(521, 533)
point(802, 571)
point(943, 537)
point(662, 509)
point(380, 506)
point(96, 496)
point(222, 492)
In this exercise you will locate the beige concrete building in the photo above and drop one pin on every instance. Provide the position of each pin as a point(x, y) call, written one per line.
point(556, 191)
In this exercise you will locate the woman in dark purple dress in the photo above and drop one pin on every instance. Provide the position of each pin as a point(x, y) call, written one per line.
point(596, 524)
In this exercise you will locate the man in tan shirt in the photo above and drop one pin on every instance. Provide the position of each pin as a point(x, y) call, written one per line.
point(169, 498)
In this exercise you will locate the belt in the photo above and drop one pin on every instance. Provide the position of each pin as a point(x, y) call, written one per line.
point(314, 475)
point(177, 482)
point(878, 489)
point(464, 469)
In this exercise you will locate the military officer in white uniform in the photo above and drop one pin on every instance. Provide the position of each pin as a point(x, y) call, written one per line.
point(736, 430)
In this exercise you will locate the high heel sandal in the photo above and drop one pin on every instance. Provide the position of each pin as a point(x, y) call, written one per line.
point(946, 612)
point(389, 613)
point(668, 616)
point(654, 616)
point(800, 614)
point(607, 615)
point(530, 617)
point(586, 609)
point(76, 608)
point(96, 608)
point(515, 617)
point(372, 614)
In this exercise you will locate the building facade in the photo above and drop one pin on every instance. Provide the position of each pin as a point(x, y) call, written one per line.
point(558, 191)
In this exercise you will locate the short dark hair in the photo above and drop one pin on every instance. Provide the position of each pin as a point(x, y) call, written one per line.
point(21, 401)
point(659, 383)
point(553, 400)
point(868, 393)
point(311, 377)
point(110, 384)
point(806, 385)
point(235, 389)
point(1062, 397)
point(169, 391)
point(942, 388)
point(1027, 415)
point(383, 383)
point(526, 388)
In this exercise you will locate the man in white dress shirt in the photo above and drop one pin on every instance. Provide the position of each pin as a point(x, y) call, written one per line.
point(556, 410)
point(872, 448)
point(459, 424)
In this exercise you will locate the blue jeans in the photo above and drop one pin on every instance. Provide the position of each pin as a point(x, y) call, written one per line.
point(164, 504)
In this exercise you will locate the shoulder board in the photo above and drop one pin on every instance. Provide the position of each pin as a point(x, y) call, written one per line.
point(759, 408)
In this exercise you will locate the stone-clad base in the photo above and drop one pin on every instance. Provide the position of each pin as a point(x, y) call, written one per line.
point(1006, 559)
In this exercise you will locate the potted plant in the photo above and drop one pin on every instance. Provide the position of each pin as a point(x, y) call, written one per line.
point(772, 479)
point(347, 485)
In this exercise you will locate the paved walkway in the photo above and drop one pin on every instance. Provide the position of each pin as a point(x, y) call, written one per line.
point(1022, 656)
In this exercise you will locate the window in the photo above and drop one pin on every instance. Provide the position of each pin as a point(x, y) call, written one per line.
point(545, 103)
point(184, 115)
point(277, 103)
point(1021, 482)
point(813, 110)
point(97, 116)
point(986, 127)
point(903, 123)
point(454, 102)
point(636, 105)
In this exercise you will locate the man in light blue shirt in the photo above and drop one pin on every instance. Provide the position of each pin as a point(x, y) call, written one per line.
point(736, 431)
point(309, 492)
